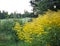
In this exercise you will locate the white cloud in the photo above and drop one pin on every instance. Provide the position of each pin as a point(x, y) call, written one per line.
point(15, 5)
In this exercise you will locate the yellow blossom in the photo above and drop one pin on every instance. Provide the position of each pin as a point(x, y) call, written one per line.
point(38, 26)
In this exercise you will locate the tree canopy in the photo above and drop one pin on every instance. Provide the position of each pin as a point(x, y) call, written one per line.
point(40, 6)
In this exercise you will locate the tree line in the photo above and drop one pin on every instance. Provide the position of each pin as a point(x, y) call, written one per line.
point(4, 15)
point(39, 7)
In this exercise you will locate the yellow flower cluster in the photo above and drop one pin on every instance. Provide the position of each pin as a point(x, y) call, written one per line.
point(17, 26)
point(37, 27)
point(49, 19)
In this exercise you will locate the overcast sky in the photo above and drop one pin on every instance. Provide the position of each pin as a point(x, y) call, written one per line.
point(15, 5)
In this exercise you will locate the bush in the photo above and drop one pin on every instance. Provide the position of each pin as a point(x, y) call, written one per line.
point(42, 31)
point(8, 36)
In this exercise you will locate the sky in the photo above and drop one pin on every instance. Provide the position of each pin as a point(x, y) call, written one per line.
point(18, 6)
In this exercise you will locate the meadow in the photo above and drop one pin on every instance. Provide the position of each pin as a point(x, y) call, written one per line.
point(41, 31)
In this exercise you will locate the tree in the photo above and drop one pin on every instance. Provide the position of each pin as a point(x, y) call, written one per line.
point(41, 6)
point(3, 15)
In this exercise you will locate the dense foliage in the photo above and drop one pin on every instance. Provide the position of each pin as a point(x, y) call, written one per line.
point(6, 15)
point(18, 29)
point(42, 31)
point(41, 6)
point(8, 36)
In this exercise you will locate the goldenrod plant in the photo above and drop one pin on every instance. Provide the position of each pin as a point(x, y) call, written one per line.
point(42, 31)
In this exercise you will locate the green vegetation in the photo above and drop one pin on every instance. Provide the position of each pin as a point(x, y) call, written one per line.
point(18, 29)
point(41, 6)
point(8, 36)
